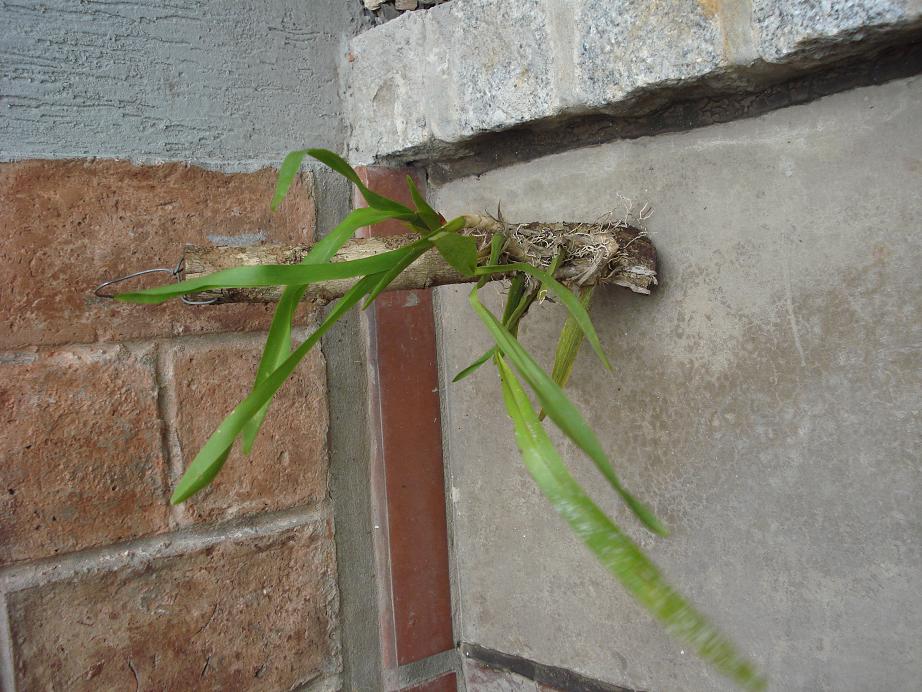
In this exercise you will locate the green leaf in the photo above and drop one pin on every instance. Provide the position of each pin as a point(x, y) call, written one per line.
point(562, 411)
point(570, 301)
point(514, 297)
point(276, 349)
point(416, 251)
point(214, 453)
point(551, 270)
point(473, 367)
point(453, 226)
point(497, 243)
point(459, 251)
point(338, 164)
point(618, 553)
point(278, 340)
point(571, 338)
point(268, 275)
point(287, 172)
point(429, 215)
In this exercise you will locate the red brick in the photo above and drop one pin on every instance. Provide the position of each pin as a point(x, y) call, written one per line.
point(392, 183)
point(408, 398)
point(68, 225)
point(81, 459)
point(445, 683)
point(251, 615)
point(288, 463)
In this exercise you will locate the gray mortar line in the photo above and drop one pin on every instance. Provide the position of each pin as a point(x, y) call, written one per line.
point(137, 551)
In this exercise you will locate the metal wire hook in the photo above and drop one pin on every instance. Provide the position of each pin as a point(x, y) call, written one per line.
point(175, 271)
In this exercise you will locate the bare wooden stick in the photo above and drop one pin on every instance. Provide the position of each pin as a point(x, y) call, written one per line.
point(624, 257)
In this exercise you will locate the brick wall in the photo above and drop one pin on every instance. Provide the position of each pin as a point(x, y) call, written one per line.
point(104, 584)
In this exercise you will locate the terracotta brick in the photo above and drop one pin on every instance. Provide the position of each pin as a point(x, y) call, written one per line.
point(252, 615)
point(81, 459)
point(68, 225)
point(392, 183)
point(288, 463)
point(407, 391)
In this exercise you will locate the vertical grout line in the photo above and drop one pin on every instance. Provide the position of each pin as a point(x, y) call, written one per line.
point(168, 408)
point(454, 572)
point(445, 409)
point(7, 671)
point(380, 533)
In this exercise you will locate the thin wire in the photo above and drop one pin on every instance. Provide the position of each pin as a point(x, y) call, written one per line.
point(175, 271)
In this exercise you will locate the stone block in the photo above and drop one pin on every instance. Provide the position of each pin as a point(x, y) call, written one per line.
point(488, 66)
point(443, 683)
point(481, 678)
point(805, 30)
point(424, 88)
point(252, 614)
point(68, 225)
point(623, 48)
point(288, 463)
point(385, 95)
point(82, 457)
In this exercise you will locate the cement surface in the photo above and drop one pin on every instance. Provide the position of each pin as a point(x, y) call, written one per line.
point(766, 401)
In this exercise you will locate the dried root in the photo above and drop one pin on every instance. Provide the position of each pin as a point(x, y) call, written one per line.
point(591, 253)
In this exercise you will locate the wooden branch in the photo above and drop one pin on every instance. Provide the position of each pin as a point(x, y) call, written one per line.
point(632, 262)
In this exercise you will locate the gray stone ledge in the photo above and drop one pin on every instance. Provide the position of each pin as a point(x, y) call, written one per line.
point(426, 85)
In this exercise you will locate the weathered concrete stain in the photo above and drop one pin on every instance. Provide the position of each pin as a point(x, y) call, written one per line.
point(766, 400)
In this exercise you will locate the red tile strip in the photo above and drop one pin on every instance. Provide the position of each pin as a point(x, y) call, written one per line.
point(406, 385)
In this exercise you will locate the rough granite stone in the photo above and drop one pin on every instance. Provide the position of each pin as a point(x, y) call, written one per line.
point(424, 85)
point(497, 63)
point(622, 47)
point(385, 94)
point(788, 30)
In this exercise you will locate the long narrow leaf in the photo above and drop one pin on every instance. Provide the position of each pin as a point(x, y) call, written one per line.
point(570, 301)
point(287, 172)
point(416, 250)
point(473, 367)
point(497, 243)
point(562, 411)
point(459, 251)
point(268, 275)
point(513, 297)
point(338, 164)
point(214, 453)
point(571, 338)
point(276, 349)
point(429, 215)
point(278, 340)
point(612, 547)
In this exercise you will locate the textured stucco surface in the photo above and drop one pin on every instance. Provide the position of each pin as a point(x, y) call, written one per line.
point(766, 401)
point(201, 80)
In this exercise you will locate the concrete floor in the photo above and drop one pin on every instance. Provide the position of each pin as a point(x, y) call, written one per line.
point(766, 402)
